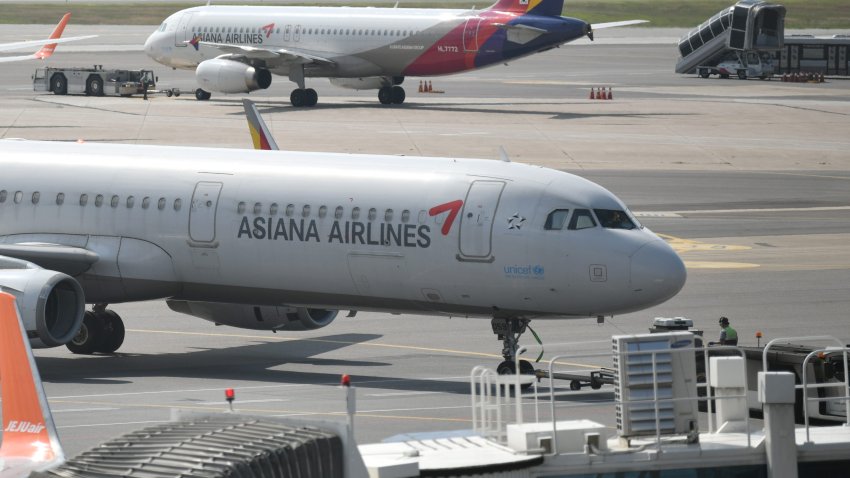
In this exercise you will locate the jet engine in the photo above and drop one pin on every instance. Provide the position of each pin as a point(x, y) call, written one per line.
point(257, 317)
point(51, 304)
point(366, 83)
point(227, 76)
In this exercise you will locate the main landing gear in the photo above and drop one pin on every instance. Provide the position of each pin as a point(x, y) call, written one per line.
point(509, 332)
point(391, 95)
point(102, 331)
point(303, 97)
point(202, 95)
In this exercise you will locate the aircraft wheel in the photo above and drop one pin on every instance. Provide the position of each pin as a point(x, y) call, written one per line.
point(575, 385)
point(310, 97)
point(168, 93)
point(508, 367)
point(742, 75)
point(113, 332)
point(94, 86)
point(58, 84)
point(90, 336)
point(397, 95)
point(703, 73)
point(202, 95)
point(176, 92)
point(385, 95)
point(298, 97)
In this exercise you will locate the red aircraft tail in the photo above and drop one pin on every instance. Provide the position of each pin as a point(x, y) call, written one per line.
point(548, 8)
point(48, 49)
point(29, 441)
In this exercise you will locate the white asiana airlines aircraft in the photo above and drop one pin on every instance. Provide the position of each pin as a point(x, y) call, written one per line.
point(48, 46)
point(235, 49)
point(280, 240)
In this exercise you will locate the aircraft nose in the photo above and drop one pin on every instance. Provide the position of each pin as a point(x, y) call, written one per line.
point(658, 273)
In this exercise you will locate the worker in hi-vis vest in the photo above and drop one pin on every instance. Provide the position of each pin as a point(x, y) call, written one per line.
point(728, 335)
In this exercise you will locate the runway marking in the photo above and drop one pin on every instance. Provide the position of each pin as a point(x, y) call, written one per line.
point(67, 410)
point(337, 342)
point(733, 211)
point(400, 394)
point(682, 246)
point(719, 265)
point(267, 400)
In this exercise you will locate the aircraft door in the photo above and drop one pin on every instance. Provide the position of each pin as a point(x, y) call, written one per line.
point(470, 34)
point(287, 32)
point(297, 36)
point(183, 33)
point(476, 223)
point(203, 211)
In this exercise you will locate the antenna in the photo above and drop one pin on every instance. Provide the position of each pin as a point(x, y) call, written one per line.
point(503, 155)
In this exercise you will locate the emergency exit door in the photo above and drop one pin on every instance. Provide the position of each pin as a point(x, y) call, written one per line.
point(470, 34)
point(184, 32)
point(476, 223)
point(203, 211)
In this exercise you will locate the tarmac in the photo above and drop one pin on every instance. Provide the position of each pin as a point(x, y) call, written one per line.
point(749, 180)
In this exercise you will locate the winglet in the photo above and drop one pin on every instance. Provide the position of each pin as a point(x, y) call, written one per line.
point(260, 133)
point(29, 441)
point(48, 49)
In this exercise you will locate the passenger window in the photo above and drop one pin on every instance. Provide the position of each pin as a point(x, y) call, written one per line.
point(338, 212)
point(131, 201)
point(114, 202)
point(36, 196)
point(258, 208)
point(160, 204)
point(178, 204)
point(98, 200)
point(60, 199)
point(373, 213)
point(146, 202)
point(405, 216)
point(290, 209)
point(323, 211)
point(240, 208)
point(614, 219)
point(19, 196)
point(273, 209)
point(388, 215)
point(355, 213)
point(3, 195)
point(556, 219)
point(582, 219)
point(84, 199)
point(305, 211)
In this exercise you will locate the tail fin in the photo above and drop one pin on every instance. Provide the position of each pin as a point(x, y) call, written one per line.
point(48, 49)
point(546, 8)
point(29, 441)
point(260, 133)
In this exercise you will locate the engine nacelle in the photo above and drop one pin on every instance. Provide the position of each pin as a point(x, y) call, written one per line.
point(366, 83)
point(257, 317)
point(51, 304)
point(227, 76)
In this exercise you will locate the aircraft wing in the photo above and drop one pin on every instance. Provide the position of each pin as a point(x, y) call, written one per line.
point(66, 259)
point(29, 442)
point(47, 45)
point(283, 55)
point(623, 23)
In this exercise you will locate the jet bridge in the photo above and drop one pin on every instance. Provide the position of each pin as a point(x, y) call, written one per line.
point(748, 25)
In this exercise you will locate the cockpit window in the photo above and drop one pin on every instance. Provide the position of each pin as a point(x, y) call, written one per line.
point(582, 219)
point(556, 219)
point(162, 27)
point(614, 219)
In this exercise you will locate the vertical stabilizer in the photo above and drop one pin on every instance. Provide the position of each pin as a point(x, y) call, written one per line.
point(548, 8)
point(260, 133)
point(29, 441)
point(48, 49)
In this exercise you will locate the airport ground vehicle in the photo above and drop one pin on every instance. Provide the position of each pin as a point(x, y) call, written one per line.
point(742, 64)
point(96, 81)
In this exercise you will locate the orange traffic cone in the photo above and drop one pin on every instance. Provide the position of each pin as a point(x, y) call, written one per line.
point(420, 86)
point(430, 87)
point(592, 94)
point(610, 93)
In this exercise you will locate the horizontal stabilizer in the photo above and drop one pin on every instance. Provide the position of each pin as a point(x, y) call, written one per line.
point(623, 23)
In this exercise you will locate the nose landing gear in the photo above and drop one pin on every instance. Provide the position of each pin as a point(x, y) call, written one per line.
point(102, 331)
point(509, 331)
